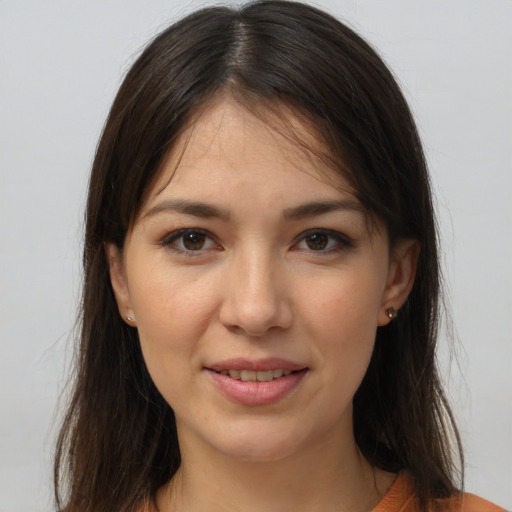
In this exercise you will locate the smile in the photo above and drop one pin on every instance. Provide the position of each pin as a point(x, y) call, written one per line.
point(256, 376)
point(263, 383)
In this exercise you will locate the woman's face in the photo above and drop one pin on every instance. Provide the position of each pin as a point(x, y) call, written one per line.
point(256, 288)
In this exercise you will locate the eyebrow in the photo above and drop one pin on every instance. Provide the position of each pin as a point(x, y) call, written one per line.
point(195, 208)
point(321, 207)
point(205, 210)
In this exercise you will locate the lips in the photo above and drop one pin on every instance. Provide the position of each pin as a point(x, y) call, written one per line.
point(256, 376)
point(269, 363)
point(257, 382)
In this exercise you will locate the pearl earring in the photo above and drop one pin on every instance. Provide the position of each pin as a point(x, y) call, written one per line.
point(391, 312)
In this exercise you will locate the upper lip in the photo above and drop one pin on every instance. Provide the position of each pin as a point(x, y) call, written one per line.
point(258, 365)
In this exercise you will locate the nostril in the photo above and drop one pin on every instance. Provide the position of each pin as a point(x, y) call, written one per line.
point(255, 319)
point(255, 300)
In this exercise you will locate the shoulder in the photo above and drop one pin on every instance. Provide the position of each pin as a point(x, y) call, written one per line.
point(470, 503)
point(401, 498)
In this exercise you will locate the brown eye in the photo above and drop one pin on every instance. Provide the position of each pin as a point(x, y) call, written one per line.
point(317, 241)
point(193, 241)
point(323, 241)
point(188, 241)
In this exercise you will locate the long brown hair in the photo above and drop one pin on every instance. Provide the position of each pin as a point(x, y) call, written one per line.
point(118, 442)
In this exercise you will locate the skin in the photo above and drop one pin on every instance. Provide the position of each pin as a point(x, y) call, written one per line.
point(259, 275)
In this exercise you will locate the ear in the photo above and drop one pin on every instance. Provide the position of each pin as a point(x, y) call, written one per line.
point(401, 274)
point(119, 285)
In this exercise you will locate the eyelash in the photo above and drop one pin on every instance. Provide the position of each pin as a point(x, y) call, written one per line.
point(169, 241)
point(341, 241)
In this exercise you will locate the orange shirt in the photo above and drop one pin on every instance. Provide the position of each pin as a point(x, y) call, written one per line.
point(401, 498)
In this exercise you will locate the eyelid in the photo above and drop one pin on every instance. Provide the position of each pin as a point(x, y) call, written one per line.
point(343, 241)
point(169, 238)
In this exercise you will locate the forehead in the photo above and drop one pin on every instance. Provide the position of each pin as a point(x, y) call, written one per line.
point(226, 144)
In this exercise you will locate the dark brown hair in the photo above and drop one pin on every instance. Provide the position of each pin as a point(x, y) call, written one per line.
point(118, 442)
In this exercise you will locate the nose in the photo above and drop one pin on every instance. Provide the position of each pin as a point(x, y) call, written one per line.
point(256, 298)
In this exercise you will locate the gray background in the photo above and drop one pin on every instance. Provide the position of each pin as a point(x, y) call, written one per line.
point(61, 63)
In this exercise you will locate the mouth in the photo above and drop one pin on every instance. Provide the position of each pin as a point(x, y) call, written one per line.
point(256, 376)
point(257, 382)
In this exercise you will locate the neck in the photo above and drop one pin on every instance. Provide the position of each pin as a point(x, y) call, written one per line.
point(323, 478)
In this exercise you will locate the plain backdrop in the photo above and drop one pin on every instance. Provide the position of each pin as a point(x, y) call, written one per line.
point(61, 63)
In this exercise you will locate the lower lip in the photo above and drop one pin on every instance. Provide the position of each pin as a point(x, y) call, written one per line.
point(258, 393)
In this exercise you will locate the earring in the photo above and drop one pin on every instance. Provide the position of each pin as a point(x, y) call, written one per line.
point(130, 319)
point(391, 312)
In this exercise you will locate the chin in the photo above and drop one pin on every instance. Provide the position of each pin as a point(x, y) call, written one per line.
point(264, 451)
point(259, 443)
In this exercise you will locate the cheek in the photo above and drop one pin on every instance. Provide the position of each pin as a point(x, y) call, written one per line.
point(173, 311)
point(171, 304)
point(342, 316)
point(343, 306)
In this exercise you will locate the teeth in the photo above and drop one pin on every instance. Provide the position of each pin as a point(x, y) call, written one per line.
point(256, 376)
point(234, 374)
point(265, 376)
point(248, 375)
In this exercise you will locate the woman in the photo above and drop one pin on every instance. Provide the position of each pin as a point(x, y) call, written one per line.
point(261, 283)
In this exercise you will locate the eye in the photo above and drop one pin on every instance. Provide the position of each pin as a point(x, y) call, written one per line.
point(322, 240)
point(190, 240)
